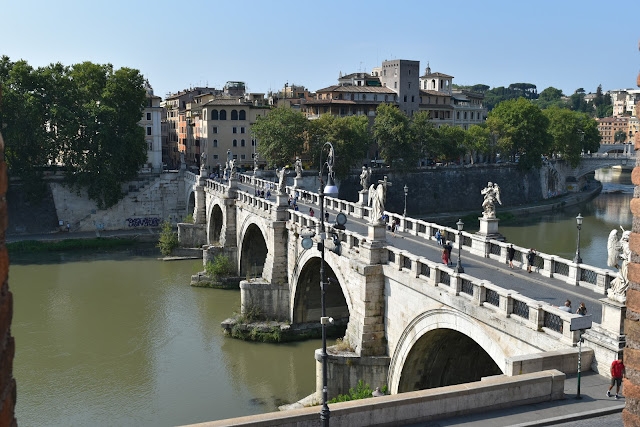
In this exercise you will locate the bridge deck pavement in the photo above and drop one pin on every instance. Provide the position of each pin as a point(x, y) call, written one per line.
point(533, 285)
point(594, 403)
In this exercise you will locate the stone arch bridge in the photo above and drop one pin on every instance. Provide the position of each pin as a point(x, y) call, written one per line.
point(410, 322)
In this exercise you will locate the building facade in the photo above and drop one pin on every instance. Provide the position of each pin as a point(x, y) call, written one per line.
point(152, 124)
point(608, 126)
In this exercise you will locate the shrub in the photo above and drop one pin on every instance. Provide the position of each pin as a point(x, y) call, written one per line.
point(362, 391)
point(189, 219)
point(219, 267)
point(168, 238)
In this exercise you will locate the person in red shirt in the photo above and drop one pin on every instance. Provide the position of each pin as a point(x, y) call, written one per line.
point(617, 373)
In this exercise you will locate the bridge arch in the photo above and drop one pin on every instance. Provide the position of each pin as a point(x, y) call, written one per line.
point(253, 248)
point(443, 347)
point(216, 222)
point(191, 202)
point(306, 296)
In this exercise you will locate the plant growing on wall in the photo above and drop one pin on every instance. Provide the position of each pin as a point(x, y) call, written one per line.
point(168, 239)
point(220, 266)
point(362, 391)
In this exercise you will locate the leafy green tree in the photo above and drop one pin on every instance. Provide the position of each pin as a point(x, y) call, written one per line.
point(572, 132)
point(425, 136)
point(478, 140)
point(578, 103)
point(392, 133)
point(281, 135)
point(521, 128)
point(620, 136)
point(551, 97)
point(452, 140)
point(349, 135)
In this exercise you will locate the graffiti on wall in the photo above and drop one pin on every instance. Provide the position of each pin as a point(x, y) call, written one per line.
point(143, 222)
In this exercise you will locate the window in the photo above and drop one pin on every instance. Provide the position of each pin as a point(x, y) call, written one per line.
point(234, 114)
point(395, 85)
point(413, 98)
point(364, 96)
point(151, 146)
point(215, 143)
point(214, 114)
point(148, 116)
point(223, 114)
point(148, 130)
point(353, 97)
point(214, 129)
point(235, 129)
point(215, 157)
point(409, 85)
point(375, 97)
point(235, 156)
point(242, 156)
point(405, 98)
point(385, 98)
point(243, 115)
point(242, 142)
point(235, 142)
point(242, 129)
point(253, 142)
point(204, 114)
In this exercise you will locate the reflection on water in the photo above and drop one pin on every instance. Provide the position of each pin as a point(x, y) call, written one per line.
point(557, 233)
point(122, 339)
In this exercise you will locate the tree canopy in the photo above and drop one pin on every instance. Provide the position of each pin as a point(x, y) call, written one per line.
point(572, 133)
point(281, 135)
point(391, 132)
point(82, 118)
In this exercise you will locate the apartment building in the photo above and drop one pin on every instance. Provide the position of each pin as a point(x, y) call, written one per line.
point(348, 100)
point(151, 123)
point(624, 101)
point(608, 126)
point(401, 76)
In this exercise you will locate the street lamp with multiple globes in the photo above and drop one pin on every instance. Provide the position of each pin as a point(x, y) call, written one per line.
point(406, 191)
point(460, 225)
point(577, 258)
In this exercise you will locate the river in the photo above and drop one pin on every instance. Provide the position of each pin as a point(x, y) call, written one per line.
point(120, 338)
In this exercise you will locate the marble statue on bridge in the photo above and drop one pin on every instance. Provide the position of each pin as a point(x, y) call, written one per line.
point(618, 249)
point(491, 195)
point(282, 180)
point(365, 177)
point(377, 197)
point(298, 168)
point(255, 162)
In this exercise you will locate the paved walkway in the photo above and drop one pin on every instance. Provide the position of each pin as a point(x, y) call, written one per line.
point(594, 403)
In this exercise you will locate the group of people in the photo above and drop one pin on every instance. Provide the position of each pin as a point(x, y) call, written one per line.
point(531, 257)
point(582, 309)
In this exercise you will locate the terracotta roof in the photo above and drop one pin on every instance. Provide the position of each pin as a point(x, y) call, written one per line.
point(433, 93)
point(357, 89)
point(438, 75)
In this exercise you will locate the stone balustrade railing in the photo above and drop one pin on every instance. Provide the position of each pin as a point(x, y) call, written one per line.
point(534, 314)
point(191, 177)
point(255, 203)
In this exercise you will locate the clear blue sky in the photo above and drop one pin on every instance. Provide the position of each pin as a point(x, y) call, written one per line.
point(562, 43)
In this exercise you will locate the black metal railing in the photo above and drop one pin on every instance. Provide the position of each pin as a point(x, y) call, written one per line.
point(561, 269)
point(588, 276)
point(521, 309)
point(392, 257)
point(466, 240)
point(425, 270)
point(444, 278)
point(494, 249)
point(406, 262)
point(467, 287)
point(493, 298)
point(553, 322)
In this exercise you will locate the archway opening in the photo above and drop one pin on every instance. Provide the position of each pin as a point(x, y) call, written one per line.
point(307, 307)
point(254, 252)
point(445, 357)
point(191, 204)
point(215, 224)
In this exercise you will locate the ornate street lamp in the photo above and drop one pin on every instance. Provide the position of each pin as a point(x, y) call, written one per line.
point(460, 225)
point(406, 191)
point(577, 258)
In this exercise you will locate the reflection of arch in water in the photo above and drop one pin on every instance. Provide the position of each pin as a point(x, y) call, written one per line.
point(307, 295)
point(253, 252)
point(437, 349)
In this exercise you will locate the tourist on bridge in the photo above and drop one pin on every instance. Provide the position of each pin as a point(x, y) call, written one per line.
point(439, 237)
point(511, 252)
point(268, 194)
point(531, 258)
point(567, 306)
point(617, 373)
point(448, 247)
point(445, 256)
point(582, 310)
point(311, 212)
point(326, 216)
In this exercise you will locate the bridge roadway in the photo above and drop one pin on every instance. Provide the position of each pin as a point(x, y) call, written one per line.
point(533, 285)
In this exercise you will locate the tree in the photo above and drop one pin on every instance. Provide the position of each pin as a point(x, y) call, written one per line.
point(572, 133)
point(425, 136)
point(578, 103)
point(451, 142)
point(391, 132)
point(478, 140)
point(521, 128)
point(551, 97)
point(620, 136)
point(349, 135)
point(281, 135)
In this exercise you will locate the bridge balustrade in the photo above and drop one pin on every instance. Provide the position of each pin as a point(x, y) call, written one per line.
point(191, 177)
point(255, 203)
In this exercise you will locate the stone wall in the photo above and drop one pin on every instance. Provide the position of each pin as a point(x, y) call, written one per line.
point(452, 188)
point(631, 413)
point(154, 200)
point(7, 343)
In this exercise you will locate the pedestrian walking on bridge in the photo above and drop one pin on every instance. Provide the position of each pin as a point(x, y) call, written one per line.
point(531, 258)
point(511, 252)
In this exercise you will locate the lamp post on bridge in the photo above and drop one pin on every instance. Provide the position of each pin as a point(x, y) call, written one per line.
point(460, 225)
point(577, 258)
point(406, 191)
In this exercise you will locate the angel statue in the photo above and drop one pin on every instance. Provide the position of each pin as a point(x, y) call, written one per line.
point(203, 161)
point(282, 178)
point(298, 168)
point(255, 163)
point(377, 196)
point(365, 176)
point(619, 250)
point(491, 195)
point(232, 168)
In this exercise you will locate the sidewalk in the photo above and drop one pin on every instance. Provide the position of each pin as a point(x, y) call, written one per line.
point(594, 403)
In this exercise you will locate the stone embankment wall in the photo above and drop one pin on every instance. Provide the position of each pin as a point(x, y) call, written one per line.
point(452, 188)
point(147, 204)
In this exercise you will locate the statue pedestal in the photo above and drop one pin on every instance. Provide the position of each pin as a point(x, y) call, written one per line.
point(489, 228)
point(297, 182)
point(374, 251)
point(363, 197)
point(376, 231)
point(613, 315)
point(233, 183)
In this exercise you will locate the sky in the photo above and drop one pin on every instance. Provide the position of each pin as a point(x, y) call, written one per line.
point(566, 44)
